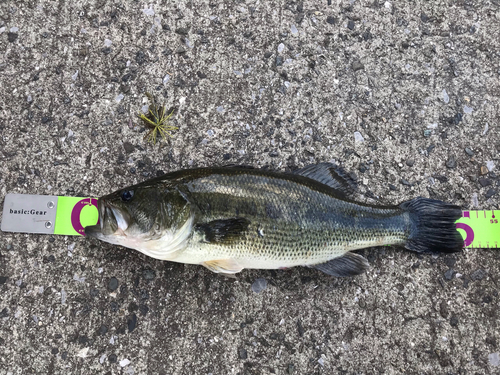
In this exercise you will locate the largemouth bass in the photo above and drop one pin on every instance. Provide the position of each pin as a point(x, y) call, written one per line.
point(228, 219)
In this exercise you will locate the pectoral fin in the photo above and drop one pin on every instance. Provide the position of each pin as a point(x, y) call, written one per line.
point(223, 231)
point(227, 267)
point(350, 264)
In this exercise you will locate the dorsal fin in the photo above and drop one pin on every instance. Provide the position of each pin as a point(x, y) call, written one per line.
point(331, 175)
point(238, 166)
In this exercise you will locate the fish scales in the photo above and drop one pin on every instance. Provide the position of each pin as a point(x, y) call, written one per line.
point(292, 221)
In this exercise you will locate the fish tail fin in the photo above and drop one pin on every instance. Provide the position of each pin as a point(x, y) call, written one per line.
point(433, 227)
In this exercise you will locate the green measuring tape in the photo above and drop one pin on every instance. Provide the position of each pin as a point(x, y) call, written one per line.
point(480, 229)
point(70, 215)
point(74, 214)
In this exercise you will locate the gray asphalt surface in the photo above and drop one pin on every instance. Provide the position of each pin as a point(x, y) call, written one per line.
point(404, 94)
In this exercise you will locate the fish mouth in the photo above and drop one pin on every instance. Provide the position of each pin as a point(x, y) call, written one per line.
point(111, 221)
point(97, 231)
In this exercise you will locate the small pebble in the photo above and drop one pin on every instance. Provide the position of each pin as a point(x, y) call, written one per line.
point(478, 274)
point(281, 47)
point(132, 323)
point(484, 170)
point(242, 353)
point(490, 165)
point(148, 274)
point(63, 297)
point(427, 133)
point(259, 285)
point(113, 284)
point(358, 137)
point(124, 362)
point(457, 118)
point(300, 328)
point(182, 31)
point(103, 330)
point(83, 353)
point(451, 163)
point(405, 182)
point(448, 275)
point(467, 109)
point(484, 181)
point(446, 98)
point(454, 321)
point(491, 192)
point(350, 25)
point(469, 152)
point(392, 187)
point(11, 37)
point(357, 65)
point(128, 147)
point(294, 30)
point(475, 201)
point(450, 262)
point(410, 162)
point(494, 359)
point(143, 309)
point(441, 178)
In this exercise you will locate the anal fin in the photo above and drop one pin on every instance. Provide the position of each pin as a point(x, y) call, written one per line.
point(350, 264)
point(227, 267)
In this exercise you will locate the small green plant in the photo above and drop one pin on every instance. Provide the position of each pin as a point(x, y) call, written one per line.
point(156, 121)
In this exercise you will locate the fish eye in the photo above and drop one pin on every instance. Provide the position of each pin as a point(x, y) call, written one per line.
point(127, 195)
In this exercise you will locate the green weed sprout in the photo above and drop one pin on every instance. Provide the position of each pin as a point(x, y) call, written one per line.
point(156, 121)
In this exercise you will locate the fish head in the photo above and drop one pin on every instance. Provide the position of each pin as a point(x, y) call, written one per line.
point(139, 214)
